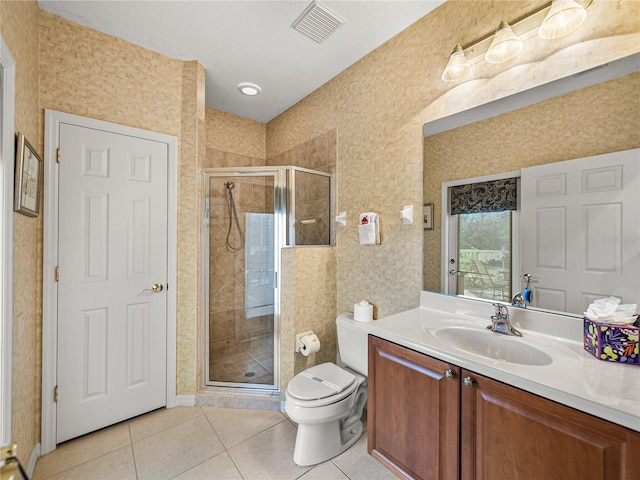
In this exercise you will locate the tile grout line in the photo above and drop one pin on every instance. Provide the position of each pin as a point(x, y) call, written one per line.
point(285, 418)
point(342, 471)
point(223, 445)
point(164, 429)
point(182, 422)
point(88, 461)
point(255, 434)
point(202, 414)
point(199, 412)
point(133, 452)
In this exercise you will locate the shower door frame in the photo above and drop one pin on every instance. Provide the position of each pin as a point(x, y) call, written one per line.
point(279, 241)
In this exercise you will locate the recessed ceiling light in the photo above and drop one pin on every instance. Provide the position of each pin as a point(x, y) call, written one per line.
point(249, 89)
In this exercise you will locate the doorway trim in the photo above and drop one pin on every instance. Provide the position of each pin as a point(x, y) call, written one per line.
point(448, 242)
point(53, 120)
point(7, 155)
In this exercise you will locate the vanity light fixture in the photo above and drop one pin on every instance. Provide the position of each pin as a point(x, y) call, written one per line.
point(564, 17)
point(505, 45)
point(249, 89)
point(555, 19)
point(458, 66)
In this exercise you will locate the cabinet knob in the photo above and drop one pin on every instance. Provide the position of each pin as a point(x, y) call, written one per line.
point(448, 374)
point(467, 382)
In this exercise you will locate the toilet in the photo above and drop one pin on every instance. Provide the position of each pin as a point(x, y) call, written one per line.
point(326, 401)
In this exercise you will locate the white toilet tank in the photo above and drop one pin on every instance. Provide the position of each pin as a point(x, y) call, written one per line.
point(352, 343)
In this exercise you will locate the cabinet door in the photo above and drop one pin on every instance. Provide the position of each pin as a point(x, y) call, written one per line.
point(509, 433)
point(413, 412)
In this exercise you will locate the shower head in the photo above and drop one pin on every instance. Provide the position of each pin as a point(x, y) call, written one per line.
point(229, 185)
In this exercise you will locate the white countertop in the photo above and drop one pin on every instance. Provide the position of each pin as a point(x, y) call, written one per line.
point(574, 378)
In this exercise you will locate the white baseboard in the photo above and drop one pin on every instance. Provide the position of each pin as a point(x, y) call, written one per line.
point(35, 454)
point(185, 400)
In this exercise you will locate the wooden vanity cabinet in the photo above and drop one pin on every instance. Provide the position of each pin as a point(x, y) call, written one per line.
point(425, 426)
point(507, 433)
point(413, 412)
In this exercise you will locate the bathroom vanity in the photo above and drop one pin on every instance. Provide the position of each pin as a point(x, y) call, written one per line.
point(448, 399)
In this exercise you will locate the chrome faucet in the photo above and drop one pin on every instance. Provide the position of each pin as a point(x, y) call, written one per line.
point(518, 301)
point(500, 322)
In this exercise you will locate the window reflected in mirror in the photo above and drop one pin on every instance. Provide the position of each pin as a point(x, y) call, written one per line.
point(484, 247)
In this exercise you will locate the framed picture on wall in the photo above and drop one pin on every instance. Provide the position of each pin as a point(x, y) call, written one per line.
point(427, 215)
point(28, 178)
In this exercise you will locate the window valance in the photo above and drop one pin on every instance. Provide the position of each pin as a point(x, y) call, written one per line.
point(482, 197)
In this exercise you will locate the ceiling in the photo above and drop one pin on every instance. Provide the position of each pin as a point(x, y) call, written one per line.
point(249, 41)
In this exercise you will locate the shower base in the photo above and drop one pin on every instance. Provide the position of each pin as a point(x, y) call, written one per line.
point(248, 361)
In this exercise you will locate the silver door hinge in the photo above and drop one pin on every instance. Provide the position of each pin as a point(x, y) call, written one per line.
point(57, 155)
point(57, 274)
point(55, 394)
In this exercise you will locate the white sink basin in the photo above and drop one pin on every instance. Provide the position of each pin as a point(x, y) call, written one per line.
point(491, 345)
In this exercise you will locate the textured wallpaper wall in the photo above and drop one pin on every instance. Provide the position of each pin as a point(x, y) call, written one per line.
point(232, 134)
point(193, 151)
point(376, 109)
point(379, 105)
point(308, 303)
point(19, 29)
point(85, 72)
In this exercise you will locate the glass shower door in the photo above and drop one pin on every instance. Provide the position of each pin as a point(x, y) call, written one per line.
point(241, 272)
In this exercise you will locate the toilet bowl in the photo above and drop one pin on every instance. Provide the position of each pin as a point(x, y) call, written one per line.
point(326, 401)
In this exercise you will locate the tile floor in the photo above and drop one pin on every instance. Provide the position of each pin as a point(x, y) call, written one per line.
point(200, 443)
point(247, 362)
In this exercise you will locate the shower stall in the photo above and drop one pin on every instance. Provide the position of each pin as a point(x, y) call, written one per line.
point(250, 213)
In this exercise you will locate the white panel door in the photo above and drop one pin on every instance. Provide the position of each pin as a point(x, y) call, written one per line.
point(580, 230)
point(112, 250)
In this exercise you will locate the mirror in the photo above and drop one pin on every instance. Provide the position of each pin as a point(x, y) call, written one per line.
point(588, 114)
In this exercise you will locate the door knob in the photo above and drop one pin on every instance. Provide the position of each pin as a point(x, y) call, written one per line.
point(157, 288)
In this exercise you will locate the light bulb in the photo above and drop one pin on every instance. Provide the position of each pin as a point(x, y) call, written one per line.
point(505, 45)
point(458, 66)
point(563, 17)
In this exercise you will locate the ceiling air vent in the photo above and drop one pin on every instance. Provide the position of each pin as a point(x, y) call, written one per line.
point(316, 22)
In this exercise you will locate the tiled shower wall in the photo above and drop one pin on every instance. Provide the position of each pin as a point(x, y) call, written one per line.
point(312, 225)
point(320, 154)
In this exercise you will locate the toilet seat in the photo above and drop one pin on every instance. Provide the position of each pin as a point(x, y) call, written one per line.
point(321, 385)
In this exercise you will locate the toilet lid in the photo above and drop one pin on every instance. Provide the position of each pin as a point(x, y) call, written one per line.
point(321, 381)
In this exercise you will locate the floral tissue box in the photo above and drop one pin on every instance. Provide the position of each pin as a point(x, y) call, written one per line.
point(613, 343)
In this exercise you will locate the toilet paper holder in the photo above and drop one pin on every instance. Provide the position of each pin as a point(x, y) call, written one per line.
point(299, 338)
